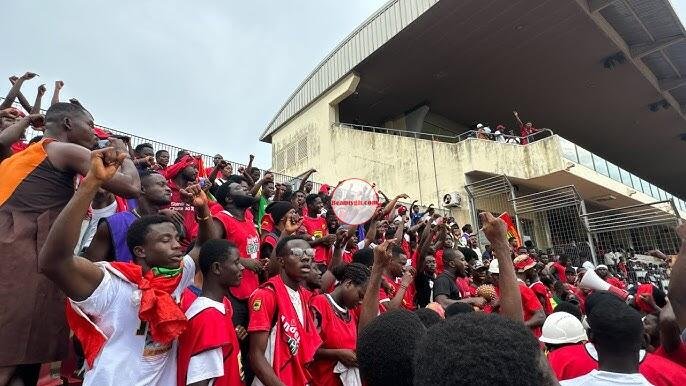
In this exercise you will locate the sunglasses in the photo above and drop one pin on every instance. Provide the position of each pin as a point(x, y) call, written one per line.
point(299, 252)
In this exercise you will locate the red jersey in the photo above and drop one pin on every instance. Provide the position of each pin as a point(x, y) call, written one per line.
point(210, 327)
point(316, 227)
point(678, 356)
point(530, 304)
point(542, 291)
point(560, 270)
point(386, 295)
point(465, 287)
point(271, 309)
point(338, 330)
point(580, 359)
point(244, 235)
point(439, 262)
point(18, 146)
point(615, 282)
point(190, 225)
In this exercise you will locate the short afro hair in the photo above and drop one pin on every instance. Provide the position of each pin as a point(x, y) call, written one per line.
point(616, 328)
point(478, 349)
point(157, 153)
point(457, 308)
point(139, 229)
point(311, 198)
point(357, 273)
point(224, 190)
point(428, 316)
point(569, 308)
point(217, 250)
point(386, 347)
point(142, 146)
point(60, 110)
point(282, 245)
point(364, 256)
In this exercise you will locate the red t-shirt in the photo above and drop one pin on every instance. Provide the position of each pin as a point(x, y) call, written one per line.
point(316, 227)
point(542, 291)
point(387, 295)
point(678, 356)
point(560, 269)
point(615, 282)
point(244, 235)
point(190, 225)
point(208, 171)
point(208, 329)
point(465, 287)
point(530, 304)
point(576, 360)
point(337, 331)
point(263, 314)
point(439, 262)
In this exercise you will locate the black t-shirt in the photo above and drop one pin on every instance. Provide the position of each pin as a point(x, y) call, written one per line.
point(423, 286)
point(445, 285)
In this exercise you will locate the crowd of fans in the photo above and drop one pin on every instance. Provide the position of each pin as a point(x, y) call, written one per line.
point(527, 132)
point(194, 275)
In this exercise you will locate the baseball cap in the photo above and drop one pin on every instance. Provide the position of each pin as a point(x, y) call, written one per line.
point(601, 266)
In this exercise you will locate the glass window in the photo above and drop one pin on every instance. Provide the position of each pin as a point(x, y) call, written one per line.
point(637, 183)
point(653, 190)
point(585, 157)
point(646, 187)
point(600, 165)
point(626, 177)
point(662, 194)
point(613, 171)
point(568, 150)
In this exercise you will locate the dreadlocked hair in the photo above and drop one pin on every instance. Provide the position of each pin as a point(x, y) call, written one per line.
point(357, 273)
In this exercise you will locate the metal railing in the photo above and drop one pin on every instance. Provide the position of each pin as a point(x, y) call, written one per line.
point(474, 134)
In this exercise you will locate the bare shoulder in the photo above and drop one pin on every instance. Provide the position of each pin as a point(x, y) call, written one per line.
point(67, 155)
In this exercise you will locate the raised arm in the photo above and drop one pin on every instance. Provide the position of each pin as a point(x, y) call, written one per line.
point(305, 178)
point(195, 196)
point(391, 204)
point(20, 96)
point(370, 302)
point(510, 300)
point(15, 132)
point(677, 281)
point(220, 166)
point(14, 91)
point(39, 97)
point(56, 93)
point(76, 276)
point(246, 171)
point(519, 121)
point(67, 156)
point(268, 177)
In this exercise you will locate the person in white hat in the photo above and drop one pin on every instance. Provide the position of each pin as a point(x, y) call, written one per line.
point(561, 329)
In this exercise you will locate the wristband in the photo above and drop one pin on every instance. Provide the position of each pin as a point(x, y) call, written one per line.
point(203, 218)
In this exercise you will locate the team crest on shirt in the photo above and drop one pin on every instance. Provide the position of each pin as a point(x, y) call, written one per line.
point(257, 304)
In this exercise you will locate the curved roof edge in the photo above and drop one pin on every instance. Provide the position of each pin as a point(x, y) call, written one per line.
point(379, 28)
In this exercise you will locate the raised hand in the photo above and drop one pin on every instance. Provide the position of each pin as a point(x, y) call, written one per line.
point(293, 223)
point(29, 75)
point(402, 196)
point(9, 112)
point(494, 228)
point(382, 253)
point(104, 164)
point(13, 79)
point(194, 195)
point(408, 275)
point(36, 120)
point(269, 177)
point(59, 84)
point(42, 90)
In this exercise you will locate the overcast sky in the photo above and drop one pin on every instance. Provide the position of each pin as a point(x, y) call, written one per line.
point(207, 75)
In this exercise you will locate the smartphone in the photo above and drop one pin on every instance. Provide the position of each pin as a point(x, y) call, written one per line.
point(103, 143)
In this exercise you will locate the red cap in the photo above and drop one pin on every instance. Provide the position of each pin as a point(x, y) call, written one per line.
point(402, 210)
point(324, 189)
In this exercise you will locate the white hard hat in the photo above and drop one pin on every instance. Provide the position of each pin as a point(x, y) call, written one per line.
point(562, 328)
point(479, 125)
point(493, 267)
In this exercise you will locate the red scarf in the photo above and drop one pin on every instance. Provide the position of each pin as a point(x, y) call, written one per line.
point(165, 319)
point(296, 344)
point(173, 170)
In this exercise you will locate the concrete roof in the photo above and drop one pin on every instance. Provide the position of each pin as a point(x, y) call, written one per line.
point(365, 39)
point(606, 74)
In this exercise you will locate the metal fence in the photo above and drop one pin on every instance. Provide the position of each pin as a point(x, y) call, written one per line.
point(643, 236)
point(493, 194)
point(551, 221)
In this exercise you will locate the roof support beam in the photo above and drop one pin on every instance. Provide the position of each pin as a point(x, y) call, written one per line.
point(669, 84)
point(598, 5)
point(638, 51)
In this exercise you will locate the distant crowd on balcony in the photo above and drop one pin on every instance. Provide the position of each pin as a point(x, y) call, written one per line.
point(527, 132)
point(180, 273)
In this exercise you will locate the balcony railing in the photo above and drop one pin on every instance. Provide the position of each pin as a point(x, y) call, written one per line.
point(570, 151)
